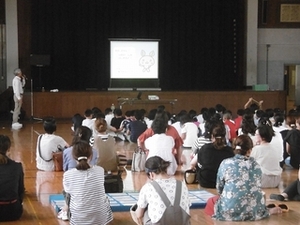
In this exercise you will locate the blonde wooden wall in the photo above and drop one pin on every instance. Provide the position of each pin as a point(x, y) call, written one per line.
point(66, 104)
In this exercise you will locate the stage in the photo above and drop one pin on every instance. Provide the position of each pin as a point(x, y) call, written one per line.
point(64, 104)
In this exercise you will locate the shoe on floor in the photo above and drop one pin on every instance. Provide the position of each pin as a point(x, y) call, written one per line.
point(16, 126)
point(63, 215)
point(277, 197)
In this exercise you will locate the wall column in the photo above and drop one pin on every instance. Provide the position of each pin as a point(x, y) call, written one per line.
point(12, 49)
point(251, 42)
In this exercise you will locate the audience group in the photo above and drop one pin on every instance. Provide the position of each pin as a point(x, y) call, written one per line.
point(238, 156)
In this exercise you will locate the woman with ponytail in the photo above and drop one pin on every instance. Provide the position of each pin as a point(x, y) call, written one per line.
point(240, 196)
point(210, 156)
point(85, 184)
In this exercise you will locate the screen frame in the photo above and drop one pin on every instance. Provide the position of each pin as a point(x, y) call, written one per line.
point(134, 82)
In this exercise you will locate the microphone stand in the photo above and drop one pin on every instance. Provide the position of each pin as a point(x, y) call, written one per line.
point(31, 100)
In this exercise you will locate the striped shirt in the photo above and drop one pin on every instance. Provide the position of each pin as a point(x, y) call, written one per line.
point(199, 143)
point(89, 203)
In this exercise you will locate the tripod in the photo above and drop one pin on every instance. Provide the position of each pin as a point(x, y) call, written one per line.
point(31, 100)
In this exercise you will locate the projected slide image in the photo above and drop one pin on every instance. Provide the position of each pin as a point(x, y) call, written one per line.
point(134, 60)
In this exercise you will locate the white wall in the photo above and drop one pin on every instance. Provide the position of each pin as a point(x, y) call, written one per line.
point(12, 50)
point(284, 49)
point(251, 43)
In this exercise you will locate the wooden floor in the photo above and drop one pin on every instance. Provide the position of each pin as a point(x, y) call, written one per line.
point(39, 185)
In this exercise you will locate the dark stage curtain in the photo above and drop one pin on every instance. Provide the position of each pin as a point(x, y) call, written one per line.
point(201, 42)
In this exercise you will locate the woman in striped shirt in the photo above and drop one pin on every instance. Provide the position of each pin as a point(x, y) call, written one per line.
point(89, 203)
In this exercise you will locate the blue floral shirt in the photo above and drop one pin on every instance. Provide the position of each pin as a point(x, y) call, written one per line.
point(239, 186)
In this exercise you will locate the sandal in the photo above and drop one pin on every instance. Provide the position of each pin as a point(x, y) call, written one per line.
point(283, 207)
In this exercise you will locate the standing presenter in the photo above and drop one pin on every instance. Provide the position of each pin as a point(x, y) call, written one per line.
point(18, 83)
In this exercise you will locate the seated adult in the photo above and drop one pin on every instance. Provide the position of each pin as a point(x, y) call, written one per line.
point(85, 184)
point(291, 192)
point(11, 184)
point(210, 156)
point(161, 144)
point(170, 131)
point(105, 145)
point(151, 208)
point(46, 144)
point(81, 133)
point(136, 127)
point(267, 156)
point(292, 140)
point(239, 187)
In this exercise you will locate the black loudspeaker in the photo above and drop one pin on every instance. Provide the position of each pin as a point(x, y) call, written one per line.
point(39, 60)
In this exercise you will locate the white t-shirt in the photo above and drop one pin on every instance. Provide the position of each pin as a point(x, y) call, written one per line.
point(49, 143)
point(149, 197)
point(162, 145)
point(90, 123)
point(177, 126)
point(191, 131)
point(268, 158)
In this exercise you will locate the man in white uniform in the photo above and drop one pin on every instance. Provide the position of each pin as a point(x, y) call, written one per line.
point(18, 83)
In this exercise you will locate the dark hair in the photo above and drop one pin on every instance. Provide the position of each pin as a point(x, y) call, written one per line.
point(242, 144)
point(204, 109)
point(82, 149)
point(240, 112)
point(77, 120)
point(253, 107)
point(99, 115)
point(50, 125)
point(220, 108)
point(128, 113)
point(4, 147)
point(161, 108)
point(248, 126)
point(270, 112)
point(138, 114)
point(82, 133)
point(185, 118)
point(88, 112)
point(279, 118)
point(290, 120)
point(156, 165)
point(151, 114)
point(219, 133)
point(210, 125)
point(265, 132)
point(163, 116)
point(211, 112)
point(159, 125)
point(118, 112)
point(260, 113)
point(96, 111)
point(143, 111)
point(107, 111)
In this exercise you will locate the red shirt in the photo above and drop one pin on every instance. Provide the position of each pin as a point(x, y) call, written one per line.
point(232, 128)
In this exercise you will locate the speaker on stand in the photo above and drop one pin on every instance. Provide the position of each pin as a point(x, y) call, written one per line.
point(38, 61)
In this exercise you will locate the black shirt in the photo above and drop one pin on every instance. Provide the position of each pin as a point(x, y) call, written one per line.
point(11, 181)
point(210, 159)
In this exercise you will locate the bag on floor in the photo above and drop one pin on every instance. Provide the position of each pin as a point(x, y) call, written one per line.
point(57, 158)
point(190, 176)
point(138, 160)
point(113, 183)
